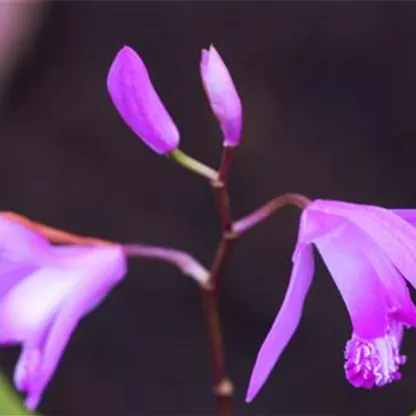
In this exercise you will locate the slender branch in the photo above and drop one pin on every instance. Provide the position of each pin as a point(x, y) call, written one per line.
point(221, 190)
point(223, 205)
point(223, 387)
point(193, 165)
point(244, 224)
point(226, 159)
point(221, 258)
point(184, 261)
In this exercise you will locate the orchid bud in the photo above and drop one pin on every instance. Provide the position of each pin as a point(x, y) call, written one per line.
point(222, 95)
point(138, 103)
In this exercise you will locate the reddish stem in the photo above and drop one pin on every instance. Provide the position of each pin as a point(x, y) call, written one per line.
point(223, 388)
point(265, 211)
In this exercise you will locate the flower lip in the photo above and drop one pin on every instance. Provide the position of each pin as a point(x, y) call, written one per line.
point(371, 363)
point(138, 103)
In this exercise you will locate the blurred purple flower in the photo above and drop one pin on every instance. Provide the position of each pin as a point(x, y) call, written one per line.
point(44, 292)
point(139, 105)
point(369, 251)
point(222, 95)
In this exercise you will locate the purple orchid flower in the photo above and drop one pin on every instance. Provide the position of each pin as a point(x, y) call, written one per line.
point(222, 95)
point(369, 251)
point(138, 103)
point(44, 292)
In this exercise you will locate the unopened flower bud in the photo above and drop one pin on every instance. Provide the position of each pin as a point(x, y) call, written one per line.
point(222, 95)
point(138, 103)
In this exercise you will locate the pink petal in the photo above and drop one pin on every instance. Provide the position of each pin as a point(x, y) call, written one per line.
point(395, 236)
point(400, 303)
point(356, 279)
point(286, 322)
point(408, 215)
point(103, 269)
point(34, 301)
point(21, 252)
point(138, 103)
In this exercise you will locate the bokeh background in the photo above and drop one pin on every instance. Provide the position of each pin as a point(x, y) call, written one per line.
point(329, 94)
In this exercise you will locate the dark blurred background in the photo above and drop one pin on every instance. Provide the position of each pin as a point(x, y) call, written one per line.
point(329, 96)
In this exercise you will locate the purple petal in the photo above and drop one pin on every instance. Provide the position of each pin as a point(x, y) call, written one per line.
point(138, 103)
point(102, 269)
point(286, 322)
point(26, 372)
point(356, 279)
point(395, 236)
point(21, 252)
point(399, 300)
point(408, 215)
point(222, 95)
point(34, 301)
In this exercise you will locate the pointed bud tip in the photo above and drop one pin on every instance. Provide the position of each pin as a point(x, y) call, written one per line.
point(124, 53)
point(249, 396)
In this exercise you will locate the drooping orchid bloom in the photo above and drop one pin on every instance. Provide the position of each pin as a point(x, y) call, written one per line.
point(369, 251)
point(138, 103)
point(222, 95)
point(44, 292)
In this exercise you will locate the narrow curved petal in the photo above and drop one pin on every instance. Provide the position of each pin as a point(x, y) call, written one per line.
point(401, 306)
point(26, 373)
point(104, 267)
point(222, 95)
point(138, 103)
point(394, 235)
point(357, 281)
point(286, 322)
point(408, 215)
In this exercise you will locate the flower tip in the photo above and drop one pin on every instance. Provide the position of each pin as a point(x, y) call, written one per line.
point(254, 387)
point(210, 58)
point(251, 393)
point(204, 59)
point(32, 403)
point(126, 48)
point(126, 52)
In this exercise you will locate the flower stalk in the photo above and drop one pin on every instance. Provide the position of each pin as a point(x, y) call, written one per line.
point(193, 165)
point(269, 208)
point(184, 261)
point(223, 387)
